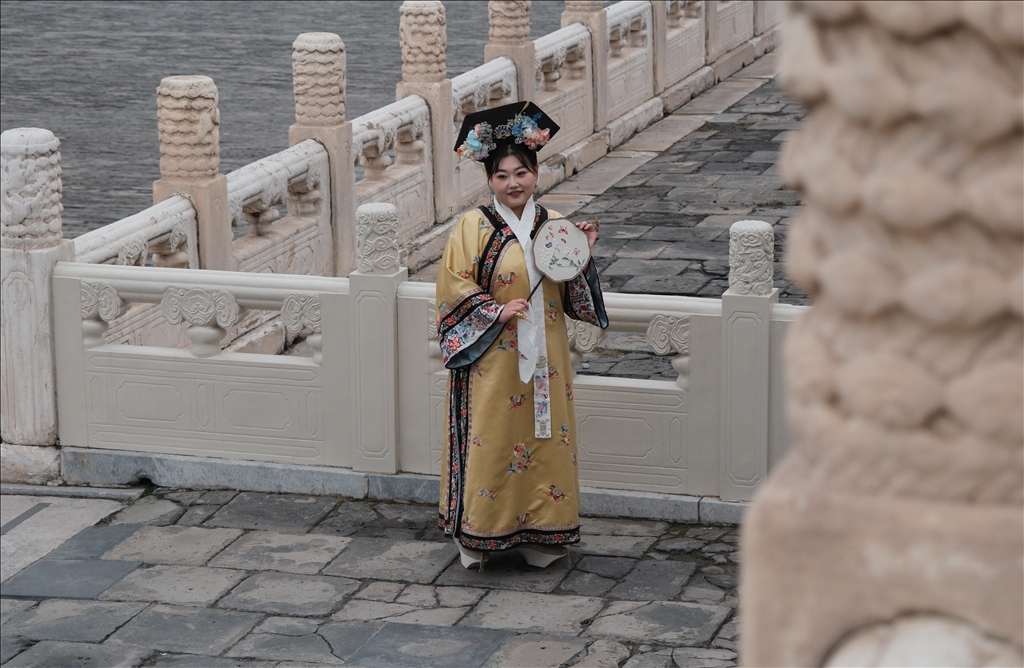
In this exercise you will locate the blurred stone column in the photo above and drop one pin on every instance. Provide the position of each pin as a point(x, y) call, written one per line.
point(592, 15)
point(32, 243)
point(510, 37)
point(189, 123)
point(893, 529)
point(318, 72)
point(424, 37)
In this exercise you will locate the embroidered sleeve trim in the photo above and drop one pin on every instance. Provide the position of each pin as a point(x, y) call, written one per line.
point(584, 300)
point(470, 327)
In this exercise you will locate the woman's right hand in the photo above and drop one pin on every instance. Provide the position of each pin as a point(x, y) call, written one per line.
point(512, 308)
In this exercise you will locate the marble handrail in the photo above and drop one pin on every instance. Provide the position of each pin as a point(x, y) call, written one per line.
point(379, 129)
point(474, 90)
point(126, 241)
point(264, 183)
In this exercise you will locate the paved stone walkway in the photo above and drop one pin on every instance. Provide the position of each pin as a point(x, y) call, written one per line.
point(208, 579)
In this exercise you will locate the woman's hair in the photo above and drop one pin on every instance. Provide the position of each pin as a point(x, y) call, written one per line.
point(526, 156)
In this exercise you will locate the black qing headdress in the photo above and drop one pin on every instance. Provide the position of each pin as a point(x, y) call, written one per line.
point(519, 122)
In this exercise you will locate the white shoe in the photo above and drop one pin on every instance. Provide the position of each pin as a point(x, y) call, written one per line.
point(470, 558)
point(542, 556)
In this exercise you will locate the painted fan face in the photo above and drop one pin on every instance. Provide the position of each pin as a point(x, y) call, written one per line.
point(561, 250)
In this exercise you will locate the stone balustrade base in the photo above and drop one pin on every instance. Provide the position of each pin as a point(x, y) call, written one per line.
point(86, 466)
point(29, 464)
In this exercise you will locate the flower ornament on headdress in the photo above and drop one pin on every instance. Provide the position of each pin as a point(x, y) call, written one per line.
point(520, 123)
point(479, 142)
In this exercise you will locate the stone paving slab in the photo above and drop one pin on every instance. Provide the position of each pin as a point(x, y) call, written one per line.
point(508, 571)
point(654, 581)
point(175, 585)
point(384, 559)
point(166, 660)
point(291, 553)
point(309, 648)
point(286, 594)
point(534, 649)
point(77, 655)
point(413, 645)
point(603, 174)
point(188, 546)
point(68, 578)
point(345, 638)
point(150, 510)
point(166, 628)
point(93, 542)
point(73, 621)
point(534, 613)
point(12, 607)
point(669, 623)
point(53, 521)
point(285, 513)
point(615, 546)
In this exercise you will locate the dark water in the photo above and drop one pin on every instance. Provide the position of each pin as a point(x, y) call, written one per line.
point(88, 71)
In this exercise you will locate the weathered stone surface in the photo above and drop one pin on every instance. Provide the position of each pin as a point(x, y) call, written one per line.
point(187, 546)
point(78, 655)
point(346, 519)
point(612, 527)
point(536, 613)
point(164, 660)
point(308, 648)
point(654, 581)
point(586, 584)
point(615, 546)
point(507, 572)
point(531, 649)
point(11, 646)
point(12, 607)
point(716, 511)
point(216, 497)
point(661, 659)
point(685, 545)
point(345, 638)
point(196, 515)
point(150, 510)
point(272, 512)
point(604, 654)
point(29, 464)
point(184, 497)
point(385, 559)
point(664, 622)
point(695, 657)
point(73, 621)
point(294, 595)
point(291, 553)
point(93, 542)
point(68, 578)
point(417, 645)
point(432, 616)
point(380, 591)
point(288, 626)
point(175, 585)
point(166, 628)
point(362, 610)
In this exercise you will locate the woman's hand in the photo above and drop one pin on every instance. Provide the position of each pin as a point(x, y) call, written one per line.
point(512, 308)
point(591, 231)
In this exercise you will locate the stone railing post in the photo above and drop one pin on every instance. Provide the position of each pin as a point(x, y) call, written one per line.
point(32, 243)
point(318, 75)
point(591, 14)
point(423, 35)
point(746, 326)
point(373, 296)
point(891, 530)
point(189, 123)
point(711, 40)
point(510, 37)
point(659, 40)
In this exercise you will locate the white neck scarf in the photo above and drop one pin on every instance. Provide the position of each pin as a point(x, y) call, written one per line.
point(533, 361)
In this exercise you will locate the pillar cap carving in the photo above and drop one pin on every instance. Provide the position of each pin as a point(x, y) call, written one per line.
point(189, 123)
point(509, 21)
point(377, 234)
point(31, 205)
point(424, 38)
point(751, 257)
point(318, 75)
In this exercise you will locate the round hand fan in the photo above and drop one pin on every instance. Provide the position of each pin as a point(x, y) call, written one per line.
point(561, 250)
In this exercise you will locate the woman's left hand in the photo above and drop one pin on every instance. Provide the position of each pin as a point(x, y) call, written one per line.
point(591, 231)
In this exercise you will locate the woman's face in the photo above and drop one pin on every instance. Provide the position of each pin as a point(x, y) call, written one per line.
point(512, 183)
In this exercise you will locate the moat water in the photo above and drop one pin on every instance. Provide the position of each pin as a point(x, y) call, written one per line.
point(88, 71)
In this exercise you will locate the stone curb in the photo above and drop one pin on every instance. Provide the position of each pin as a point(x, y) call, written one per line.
point(86, 466)
point(115, 493)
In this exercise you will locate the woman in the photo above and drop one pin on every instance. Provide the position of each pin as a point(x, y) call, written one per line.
point(509, 477)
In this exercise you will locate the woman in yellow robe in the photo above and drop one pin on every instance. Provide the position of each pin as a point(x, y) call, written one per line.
point(510, 458)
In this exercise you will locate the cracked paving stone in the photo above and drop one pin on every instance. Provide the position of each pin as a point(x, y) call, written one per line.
point(685, 545)
point(615, 546)
point(586, 584)
point(307, 648)
point(417, 645)
point(167, 628)
point(604, 654)
point(77, 655)
point(73, 621)
point(291, 595)
point(609, 567)
point(654, 581)
point(696, 657)
point(291, 553)
point(185, 546)
point(286, 513)
point(536, 613)
point(381, 591)
point(11, 646)
point(176, 585)
point(288, 626)
point(531, 649)
point(384, 559)
point(345, 638)
point(149, 510)
point(165, 660)
point(669, 623)
point(11, 608)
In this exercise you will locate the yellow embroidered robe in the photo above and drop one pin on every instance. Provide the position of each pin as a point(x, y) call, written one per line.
point(501, 486)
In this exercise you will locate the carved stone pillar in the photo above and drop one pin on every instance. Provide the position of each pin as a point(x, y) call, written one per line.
point(424, 37)
point(592, 15)
point(746, 352)
point(373, 299)
point(510, 37)
point(189, 123)
point(892, 529)
point(318, 73)
point(32, 243)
